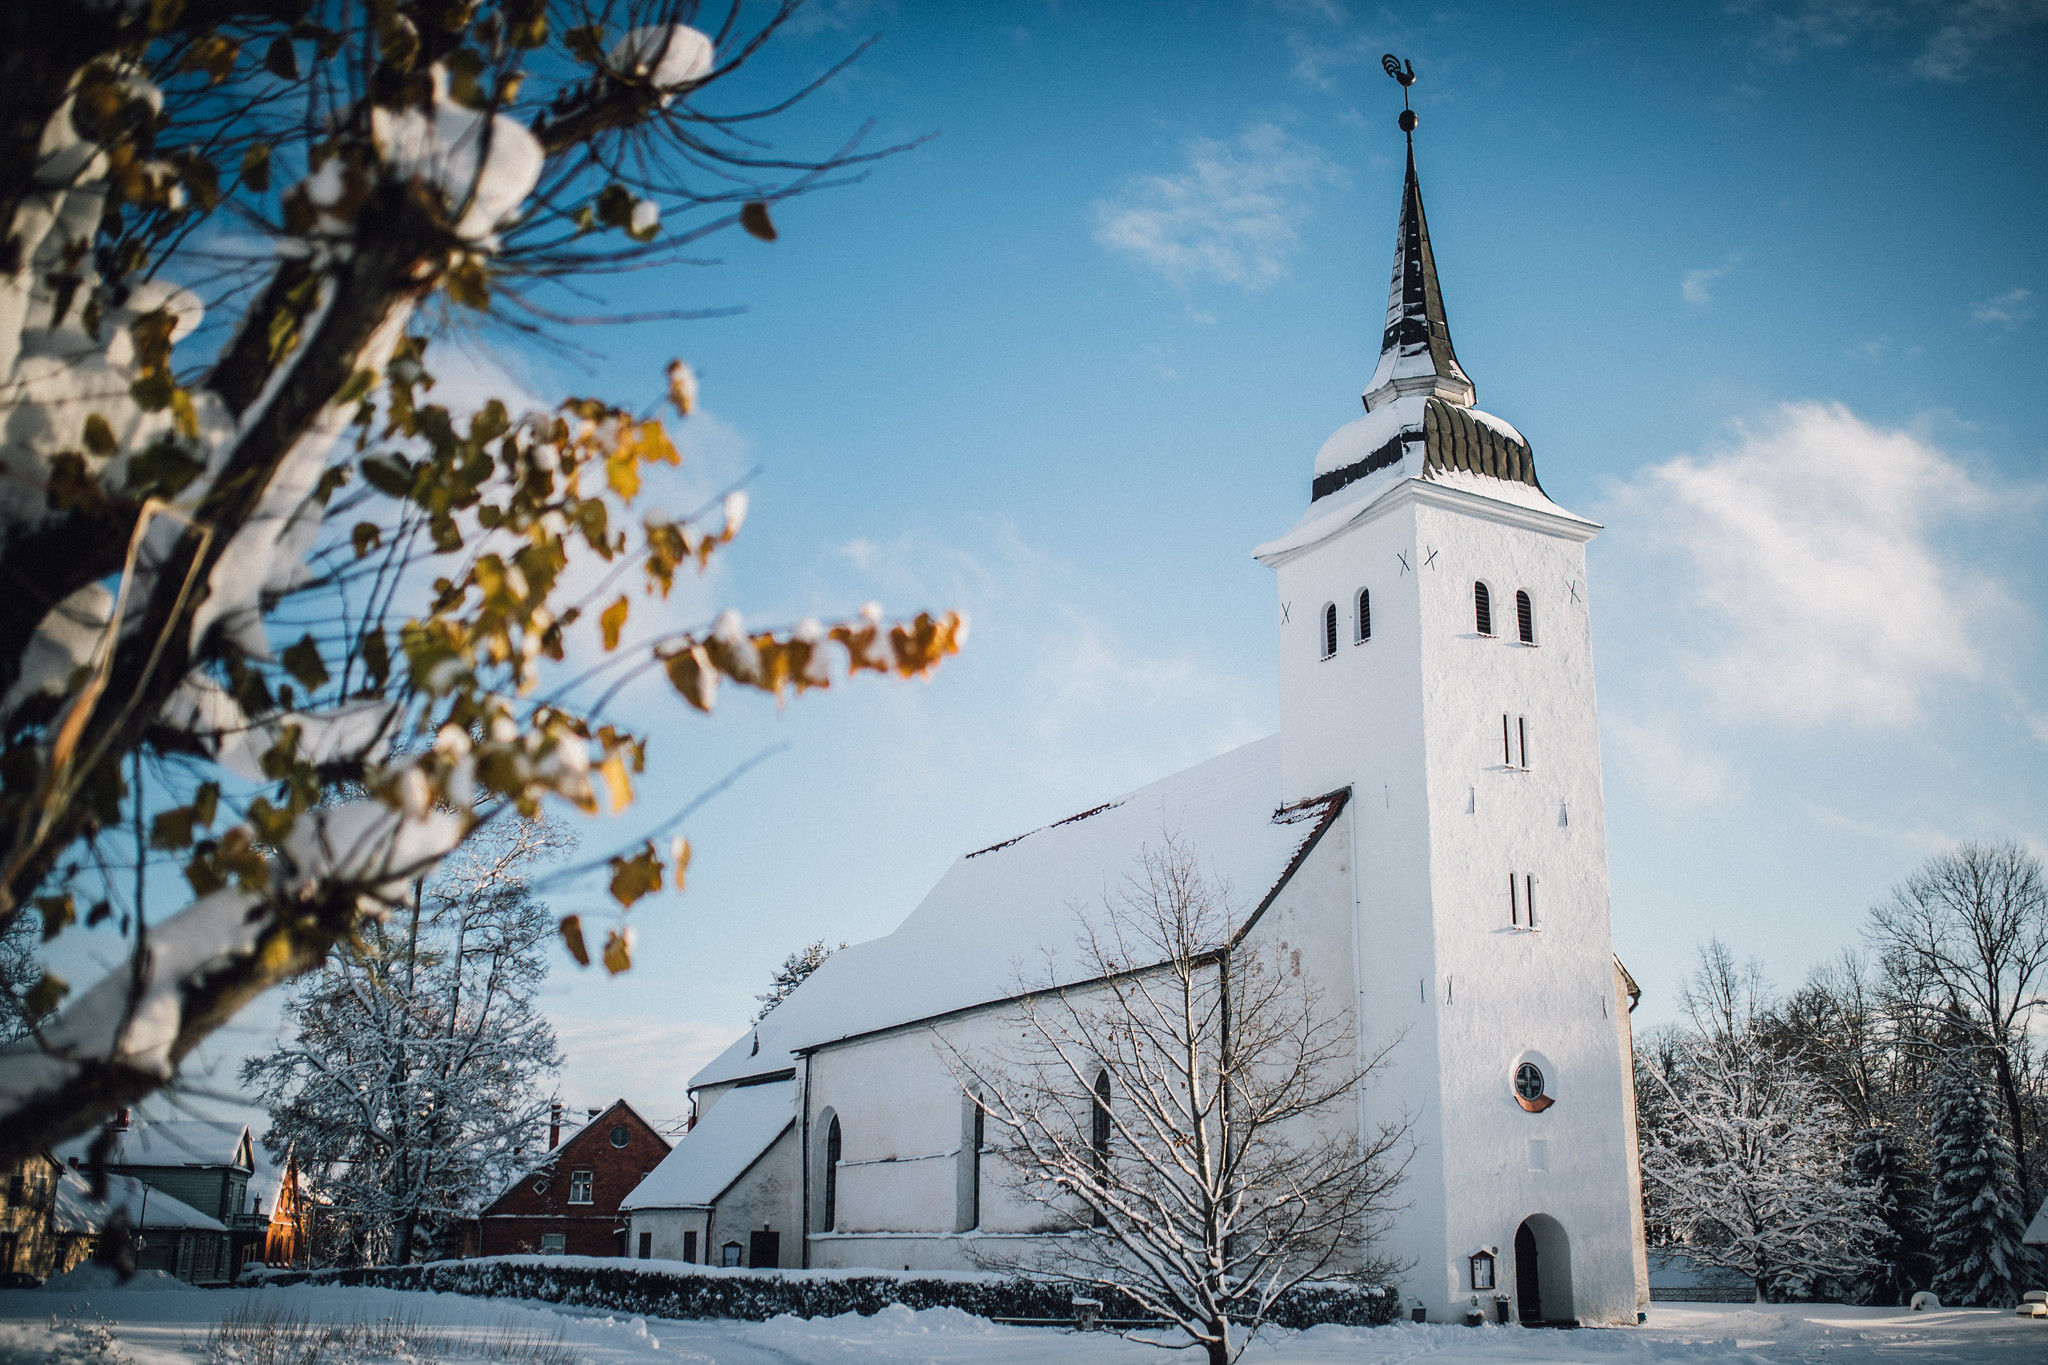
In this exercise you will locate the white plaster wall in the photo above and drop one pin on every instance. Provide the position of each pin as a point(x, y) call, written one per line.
point(1413, 718)
point(900, 1109)
point(769, 1196)
point(668, 1227)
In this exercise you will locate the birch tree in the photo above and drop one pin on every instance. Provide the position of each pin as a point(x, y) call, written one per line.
point(1185, 1115)
point(252, 568)
point(418, 1060)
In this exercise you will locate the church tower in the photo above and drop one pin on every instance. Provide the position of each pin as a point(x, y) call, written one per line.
point(1436, 659)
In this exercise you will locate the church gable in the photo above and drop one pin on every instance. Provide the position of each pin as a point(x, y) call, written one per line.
point(1009, 912)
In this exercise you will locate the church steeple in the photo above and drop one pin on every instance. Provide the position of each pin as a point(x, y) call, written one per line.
point(1415, 351)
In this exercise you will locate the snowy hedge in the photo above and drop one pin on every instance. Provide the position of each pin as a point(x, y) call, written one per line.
point(675, 1289)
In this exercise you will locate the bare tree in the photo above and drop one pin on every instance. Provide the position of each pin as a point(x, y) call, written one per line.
point(1745, 1154)
point(1967, 936)
point(250, 568)
point(1187, 1110)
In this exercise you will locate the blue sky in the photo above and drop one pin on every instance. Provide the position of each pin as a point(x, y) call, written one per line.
point(1762, 283)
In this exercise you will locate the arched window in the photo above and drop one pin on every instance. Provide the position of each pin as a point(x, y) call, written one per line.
point(1329, 629)
point(1525, 618)
point(1482, 608)
point(1364, 615)
point(1098, 1138)
point(833, 1148)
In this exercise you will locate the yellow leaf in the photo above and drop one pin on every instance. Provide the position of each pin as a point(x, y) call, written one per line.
point(618, 951)
point(616, 784)
point(622, 471)
point(572, 939)
point(184, 414)
point(679, 858)
point(636, 876)
point(614, 621)
point(693, 676)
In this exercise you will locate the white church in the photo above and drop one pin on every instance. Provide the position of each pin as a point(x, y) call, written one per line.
point(1427, 828)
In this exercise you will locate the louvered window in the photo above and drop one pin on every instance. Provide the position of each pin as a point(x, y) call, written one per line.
point(1525, 618)
point(1329, 629)
point(1364, 615)
point(1482, 608)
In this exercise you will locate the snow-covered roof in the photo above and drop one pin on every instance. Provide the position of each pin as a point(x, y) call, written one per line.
point(2036, 1234)
point(732, 1134)
point(146, 1206)
point(1011, 913)
point(172, 1142)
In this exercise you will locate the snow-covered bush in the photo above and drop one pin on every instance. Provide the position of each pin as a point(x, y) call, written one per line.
point(672, 1289)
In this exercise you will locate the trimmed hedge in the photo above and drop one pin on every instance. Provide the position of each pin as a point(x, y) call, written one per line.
point(674, 1289)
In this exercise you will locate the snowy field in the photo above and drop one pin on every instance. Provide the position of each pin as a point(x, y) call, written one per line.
point(171, 1327)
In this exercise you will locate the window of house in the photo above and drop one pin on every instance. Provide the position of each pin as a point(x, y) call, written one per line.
point(690, 1246)
point(729, 1255)
point(621, 1135)
point(1329, 629)
point(580, 1186)
point(833, 1148)
point(1364, 615)
point(1525, 619)
point(1529, 1081)
point(646, 1246)
point(553, 1243)
point(1482, 608)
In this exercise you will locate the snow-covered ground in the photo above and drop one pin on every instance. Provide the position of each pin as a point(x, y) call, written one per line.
point(170, 1327)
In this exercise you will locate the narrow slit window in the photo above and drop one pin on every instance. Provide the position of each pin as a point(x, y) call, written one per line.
point(1482, 608)
point(835, 1145)
point(1507, 749)
point(1522, 738)
point(1529, 898)
point(1525, 618)
point(1514, 903)
point(1364, 615)
point(1329, 629)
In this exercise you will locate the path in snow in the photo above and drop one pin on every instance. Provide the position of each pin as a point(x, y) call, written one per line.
point(170, 1328)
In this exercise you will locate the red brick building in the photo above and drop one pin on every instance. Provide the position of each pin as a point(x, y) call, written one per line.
point(568, 1202)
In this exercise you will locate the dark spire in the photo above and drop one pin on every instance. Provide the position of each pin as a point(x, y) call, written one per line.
point(1415, 351)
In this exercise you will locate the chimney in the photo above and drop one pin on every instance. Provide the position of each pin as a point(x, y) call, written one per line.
point(121, 1121)
point(554, 1125)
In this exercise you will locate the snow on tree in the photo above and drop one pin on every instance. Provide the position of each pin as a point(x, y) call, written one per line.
point(1966, 937)
point(1883, 1160)
point(1187, 1111)
point(277, 625)
point(18, 975)
point(417, 1063)
point(1745, 1155)
point(1978, 1217)
point(795, 969)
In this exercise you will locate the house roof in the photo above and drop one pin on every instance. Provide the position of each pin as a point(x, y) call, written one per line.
point(146, 1206)
point(1006, 918)
point(172, 1142)
point(729, 1138)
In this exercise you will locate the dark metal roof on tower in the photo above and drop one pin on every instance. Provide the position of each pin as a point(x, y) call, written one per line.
point(1416, 356)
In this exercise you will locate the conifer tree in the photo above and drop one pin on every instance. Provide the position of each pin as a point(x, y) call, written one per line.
point(1977, 1215)
point(1883, 1163)
point(794, 971)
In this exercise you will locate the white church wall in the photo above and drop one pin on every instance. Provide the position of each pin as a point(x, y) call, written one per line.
point(667, 1228)
point(900, 1109)
point(768, 1197)
point(1412, 720)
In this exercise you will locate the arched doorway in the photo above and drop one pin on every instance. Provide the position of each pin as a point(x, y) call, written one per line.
point(1543, 1273)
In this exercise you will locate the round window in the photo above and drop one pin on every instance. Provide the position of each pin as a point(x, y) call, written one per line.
point(1529, 1081)
point(621, 1136)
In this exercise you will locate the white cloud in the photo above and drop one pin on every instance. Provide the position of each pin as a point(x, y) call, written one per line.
point(1696, 288)
point(1800, 574)
point(2007, 310)
point(647, 1060)
point(1973, 28)
point(1231, 215)
point(1947, 41)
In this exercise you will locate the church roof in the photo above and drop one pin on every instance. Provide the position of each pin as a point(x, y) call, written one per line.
point(1008, 915)
point(1415, 350)
point(729, 1138)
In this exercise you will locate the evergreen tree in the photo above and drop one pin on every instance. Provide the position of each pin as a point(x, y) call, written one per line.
point(794, 971)
point(1882, 1162)
point(416, 1069)
point(1978, 1220)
